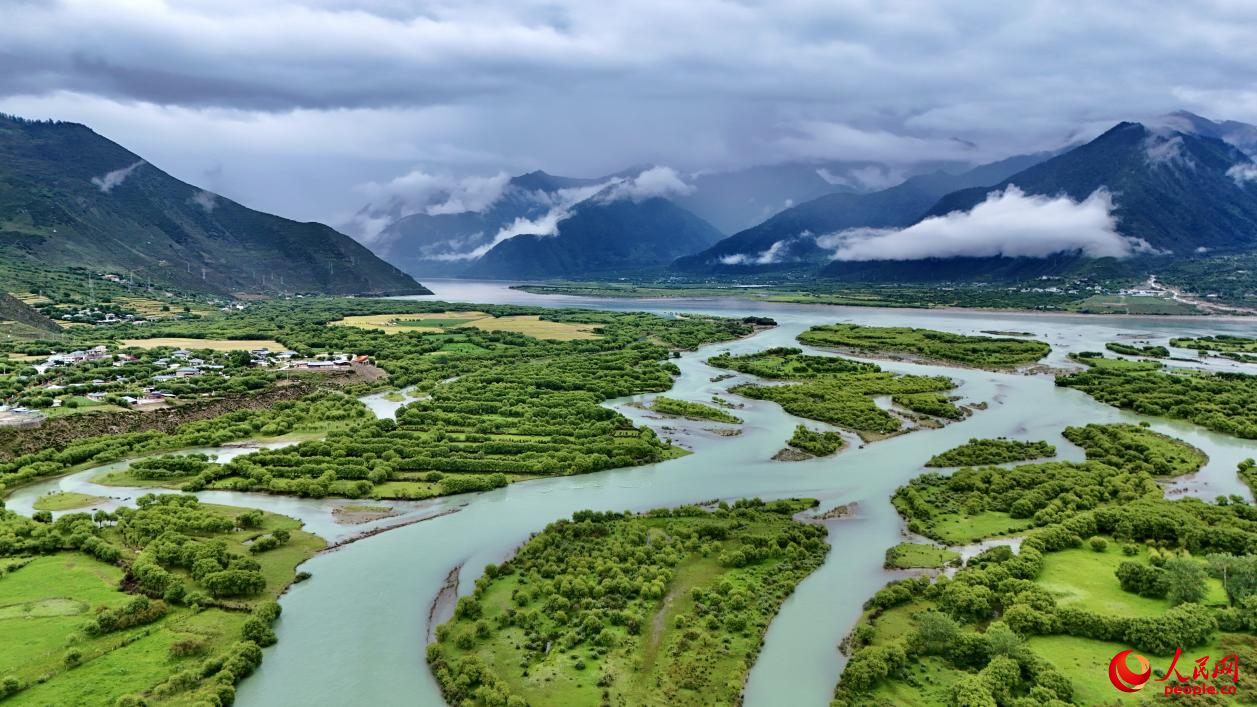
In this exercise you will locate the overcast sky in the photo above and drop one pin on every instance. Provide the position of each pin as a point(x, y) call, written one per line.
point(293, 106)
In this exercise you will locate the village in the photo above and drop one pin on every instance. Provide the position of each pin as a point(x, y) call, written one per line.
point(133, 377)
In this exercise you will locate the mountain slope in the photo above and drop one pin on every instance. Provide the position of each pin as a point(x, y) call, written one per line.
point(70, 197)
point(1182, 193)
point(788, 239)
point(601, 235)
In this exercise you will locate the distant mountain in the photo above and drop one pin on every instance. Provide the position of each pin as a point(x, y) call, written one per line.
point(436, 242)
point(602, 235)
point(1241, 135)
point(736, 200)
point(788, 240)
point(1182, 193)
point(442, 244)
point(69, 197)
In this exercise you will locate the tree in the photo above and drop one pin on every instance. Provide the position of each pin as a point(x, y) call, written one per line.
point(1185, 580)
point(935, 630)
point(1002, 641)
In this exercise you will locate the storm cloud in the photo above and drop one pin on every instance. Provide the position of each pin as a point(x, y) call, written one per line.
point(1008, 223)
point(304, 99)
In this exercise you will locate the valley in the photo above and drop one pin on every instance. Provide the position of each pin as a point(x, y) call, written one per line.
point(1008, 404)
point(575, 354)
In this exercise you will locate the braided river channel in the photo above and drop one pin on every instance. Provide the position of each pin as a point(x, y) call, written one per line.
point(355, 634)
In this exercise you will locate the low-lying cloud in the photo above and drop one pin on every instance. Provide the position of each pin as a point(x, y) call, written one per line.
point(111, 180)
point(1008, 223)
point(1243, 173)
point(207, 200)
point(651, 183)
point(774, 254)
point(419, 191)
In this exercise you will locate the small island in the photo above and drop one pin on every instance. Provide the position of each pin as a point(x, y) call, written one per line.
point(666, 607)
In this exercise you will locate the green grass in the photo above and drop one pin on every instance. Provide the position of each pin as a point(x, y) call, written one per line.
point(66, 500)
point(962, 529)
point(1084, 578)
point(928, 683)
point(917, 555)
point(44, 604)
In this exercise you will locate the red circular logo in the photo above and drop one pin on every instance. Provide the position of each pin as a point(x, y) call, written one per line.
point(1122, 677)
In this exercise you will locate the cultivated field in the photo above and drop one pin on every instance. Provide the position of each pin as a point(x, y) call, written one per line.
point(529, 325)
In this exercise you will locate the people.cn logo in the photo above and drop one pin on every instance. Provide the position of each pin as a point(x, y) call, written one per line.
point(1122, 677)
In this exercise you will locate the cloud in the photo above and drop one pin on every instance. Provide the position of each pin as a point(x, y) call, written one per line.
point(651, 183)
point(1243, 173)
point(419, 191)
point(1161, 150)
point(111, 180)
point(774, 254)
point(207, 200)
point(1009, 224)
point(373, 87)
point(871, 177)
point(560, 205)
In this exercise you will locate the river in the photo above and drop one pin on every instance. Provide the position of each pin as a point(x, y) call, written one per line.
point(355, 633)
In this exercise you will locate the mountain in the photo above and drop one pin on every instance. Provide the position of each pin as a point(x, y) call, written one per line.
point(601, 235)
point(438, 242)
point(69, 197)
point(1182, 193)
point(789, 238)
point(20, 319)
point(442, 244)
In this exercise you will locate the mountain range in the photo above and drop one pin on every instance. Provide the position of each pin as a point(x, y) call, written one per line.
point(788, 239)
point(1179, 186)
point(70, 197)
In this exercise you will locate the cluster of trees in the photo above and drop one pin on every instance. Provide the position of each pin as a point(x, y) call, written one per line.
point(789, 364)
point(580, 595)
point(476, 432)
point(20, 535)
point(929, 404)
point(685, 408)
point(176, 532)
point(1172, 548)
point(169, 466)
point(316, 411)
point(982, 351)
point(999, 587)
point(1223, 343)
point(846, 399)
point(816, 442)
point(1136, 350)
point(138, 611)
point(1224, 402)
point(1041, 493)
point(1136, 448)
point(979, 452)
